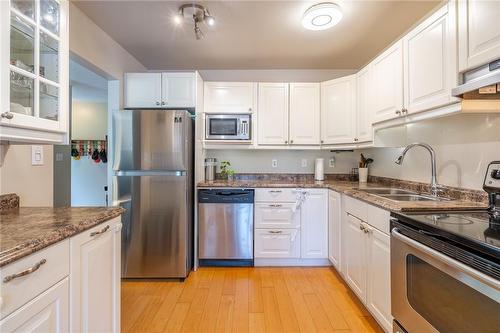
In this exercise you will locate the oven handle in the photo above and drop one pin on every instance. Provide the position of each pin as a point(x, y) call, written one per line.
point(445, 259)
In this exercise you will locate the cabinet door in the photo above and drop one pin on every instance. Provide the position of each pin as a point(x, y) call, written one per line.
point(314, 224)
point(478, 33)
point(304, 113)
point(95, 279)
point(379, 277)
point(142, 90)
point(355, 256)
point(338, 110)
point(178, 90)
point(277, 243)
point(48, 312)
point(387, 83)
point(334, 218)
point(273, 114)
point(364, 130)
point(229, 97)
point(430, 61)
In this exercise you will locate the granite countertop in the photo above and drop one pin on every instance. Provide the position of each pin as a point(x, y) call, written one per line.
point(352, 189)
point(26, 230)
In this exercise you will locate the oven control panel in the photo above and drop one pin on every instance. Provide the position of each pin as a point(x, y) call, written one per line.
point(492, 179)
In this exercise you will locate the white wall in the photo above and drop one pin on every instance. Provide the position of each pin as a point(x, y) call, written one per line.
point(89, 121)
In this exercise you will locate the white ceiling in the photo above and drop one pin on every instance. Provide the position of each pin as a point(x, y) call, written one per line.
point(254, 34)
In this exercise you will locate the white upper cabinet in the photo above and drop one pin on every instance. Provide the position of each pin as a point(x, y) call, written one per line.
point(34, 75)
point(338, 110)
point(430, 61)
point(159, 90)
point(314, 224)
point(229, 97)
point(478, 33)
point(273, 114)
point(364, 129)
point(304, 113)
point(387, 83)
point(178, 89)
point(143, 90)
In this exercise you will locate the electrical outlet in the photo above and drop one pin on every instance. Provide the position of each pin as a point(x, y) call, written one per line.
point(274, 163)
point(331, 162)
point(304, 163)
point(36, 155)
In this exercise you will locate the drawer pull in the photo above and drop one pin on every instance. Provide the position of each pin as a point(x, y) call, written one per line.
point(275, 231)
point(30, 270)
point(275, 191)
point(96, 233)
point(275, 205)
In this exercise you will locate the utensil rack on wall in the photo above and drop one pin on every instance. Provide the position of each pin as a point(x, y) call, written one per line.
point(86, 147)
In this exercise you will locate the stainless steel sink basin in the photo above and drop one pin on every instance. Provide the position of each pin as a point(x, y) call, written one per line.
point(412, 197)
point(385, 190)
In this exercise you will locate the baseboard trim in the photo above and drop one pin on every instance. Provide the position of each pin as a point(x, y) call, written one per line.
point(260, 262)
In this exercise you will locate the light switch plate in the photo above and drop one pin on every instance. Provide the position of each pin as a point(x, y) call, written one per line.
point(274, 163)
point(331, 162)
point(304, 163)
point(36, 155)
point(59, 157)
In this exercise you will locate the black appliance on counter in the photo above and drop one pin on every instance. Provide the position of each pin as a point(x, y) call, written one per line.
point(445, 268)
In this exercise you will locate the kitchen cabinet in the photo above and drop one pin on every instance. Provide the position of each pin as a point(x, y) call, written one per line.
point(355, 258)
point(305, 113)
point(95, 279)
point(276, 215)
point(34, 75)
point(378, 298)
point(277, 243)
point(338, 110)
point(159, 90)
point(387, 83)
point(272, 120)
point(334, 224)
point(48, 312)
point(314, 224)
point(478, 33)
point(366, 257)
point(364, 129)
point(230, 97)
point(430, 61)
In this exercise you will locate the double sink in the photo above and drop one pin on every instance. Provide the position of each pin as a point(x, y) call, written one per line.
point(397, 194)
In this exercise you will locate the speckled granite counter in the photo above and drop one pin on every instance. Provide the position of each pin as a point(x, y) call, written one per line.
point(464, 199)
point(28, 229)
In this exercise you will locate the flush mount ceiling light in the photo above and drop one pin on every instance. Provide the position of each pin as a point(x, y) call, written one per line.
point(197, 13)
point(321, 16)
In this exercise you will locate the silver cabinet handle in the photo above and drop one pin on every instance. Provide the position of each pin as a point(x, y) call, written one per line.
point(157, 103)
point(322, 141)
point(275, 231)
point(286, 142)
point(30, 270)
point(404, 111)
point(96, 233)
point(163, 103)
point(7, 115)
point(398, 112)
point(275, 191)
point(361, 227)
point(291, 141)
point(275, 205)
point(250, 109)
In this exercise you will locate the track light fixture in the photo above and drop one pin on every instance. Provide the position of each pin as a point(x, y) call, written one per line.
point(197, 13)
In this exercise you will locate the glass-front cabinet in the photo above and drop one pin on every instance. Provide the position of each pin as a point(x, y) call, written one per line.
point(34, 70)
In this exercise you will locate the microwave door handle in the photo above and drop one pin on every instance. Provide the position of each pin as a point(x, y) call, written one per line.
point(445, 259)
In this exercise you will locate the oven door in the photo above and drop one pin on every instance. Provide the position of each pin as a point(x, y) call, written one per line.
point(432, 292)
point(227, 127)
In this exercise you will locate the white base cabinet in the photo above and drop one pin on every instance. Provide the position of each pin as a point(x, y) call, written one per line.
point(366, 257)
point(314, 224)
point(277, 243)
point(95, 279)
point(334, 224)
point(48, 312)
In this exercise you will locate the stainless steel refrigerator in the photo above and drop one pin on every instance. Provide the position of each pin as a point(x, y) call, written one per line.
point(153, 181)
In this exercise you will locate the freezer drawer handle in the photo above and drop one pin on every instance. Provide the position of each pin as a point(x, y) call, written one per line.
point(275, 232)
point(30, 270)
point(100, 232)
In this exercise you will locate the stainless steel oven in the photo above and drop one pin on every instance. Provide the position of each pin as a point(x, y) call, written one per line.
point(228, 126)
point(439, 285)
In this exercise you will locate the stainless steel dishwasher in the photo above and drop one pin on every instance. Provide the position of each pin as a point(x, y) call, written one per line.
point(225, 227)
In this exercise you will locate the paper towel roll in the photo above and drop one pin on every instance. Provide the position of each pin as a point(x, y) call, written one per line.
point(319, 169)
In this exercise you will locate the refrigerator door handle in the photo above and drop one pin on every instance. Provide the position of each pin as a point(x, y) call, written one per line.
point(149, 173)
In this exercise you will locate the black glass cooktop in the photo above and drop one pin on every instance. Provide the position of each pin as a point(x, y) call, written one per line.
point(478, 230)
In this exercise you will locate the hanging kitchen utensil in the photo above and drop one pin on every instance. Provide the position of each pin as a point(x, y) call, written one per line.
point(103, 155)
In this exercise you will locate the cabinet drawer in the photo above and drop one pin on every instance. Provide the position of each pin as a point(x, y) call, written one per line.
point(280, 215)
point(273, 195)
point(277, 243)
point(53, 267)
point(356, 208)
point(379, 218)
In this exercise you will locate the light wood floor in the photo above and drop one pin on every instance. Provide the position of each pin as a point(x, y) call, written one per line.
point(246, 300)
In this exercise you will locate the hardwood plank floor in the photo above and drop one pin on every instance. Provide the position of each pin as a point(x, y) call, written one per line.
point(248, 300)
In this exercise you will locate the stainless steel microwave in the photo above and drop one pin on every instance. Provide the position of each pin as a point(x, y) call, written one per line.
point(228, 126)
